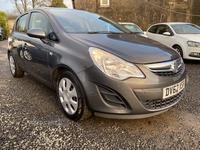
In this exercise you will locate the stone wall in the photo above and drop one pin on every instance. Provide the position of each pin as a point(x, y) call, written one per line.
point(146, 12)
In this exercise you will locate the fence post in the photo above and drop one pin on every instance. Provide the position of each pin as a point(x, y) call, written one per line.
point(8, 26)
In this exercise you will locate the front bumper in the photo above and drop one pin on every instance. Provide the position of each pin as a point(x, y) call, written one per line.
point(190, 50)
point(111, 98)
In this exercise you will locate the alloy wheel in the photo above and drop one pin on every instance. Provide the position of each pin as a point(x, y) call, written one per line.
point(178, 50)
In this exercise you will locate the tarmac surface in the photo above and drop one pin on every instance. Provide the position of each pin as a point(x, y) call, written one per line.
point(31, 118)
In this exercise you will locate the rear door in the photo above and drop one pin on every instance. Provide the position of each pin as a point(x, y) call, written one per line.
point(17, 40)
point(36, 50)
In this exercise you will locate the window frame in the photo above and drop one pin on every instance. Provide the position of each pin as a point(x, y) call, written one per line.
point(47, 27)
point(171, 32)
point(104, 5)
point(152, 27)
point(17, 23)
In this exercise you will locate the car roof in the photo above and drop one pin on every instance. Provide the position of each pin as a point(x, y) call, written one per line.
point(171, 23)
point(126, 23)
point(46, 10)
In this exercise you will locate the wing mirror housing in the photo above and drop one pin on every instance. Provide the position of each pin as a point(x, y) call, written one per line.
point(167, 33)
point(36, 33)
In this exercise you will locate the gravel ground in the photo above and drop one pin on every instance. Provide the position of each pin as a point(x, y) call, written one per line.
point(31, 118)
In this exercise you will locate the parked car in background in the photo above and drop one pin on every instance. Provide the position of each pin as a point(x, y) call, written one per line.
point(2, 33)
point(96, 65)
point(133, 28)
point(183, 37)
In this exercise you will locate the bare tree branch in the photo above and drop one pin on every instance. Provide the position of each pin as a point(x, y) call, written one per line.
point(23, 5)
point(17, 6)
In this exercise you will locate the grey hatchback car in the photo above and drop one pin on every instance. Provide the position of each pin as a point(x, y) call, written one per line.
point(96, 65)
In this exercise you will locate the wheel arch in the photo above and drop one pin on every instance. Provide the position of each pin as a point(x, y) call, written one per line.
point(182, 53)
point(176, 45)
point(61, 68)
point(8, 53)
point(57, 71)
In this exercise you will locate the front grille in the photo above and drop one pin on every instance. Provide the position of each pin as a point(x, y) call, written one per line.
point(170, 73)
point(162, 103)
point(167, 69)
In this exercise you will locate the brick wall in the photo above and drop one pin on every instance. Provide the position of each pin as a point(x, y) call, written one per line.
point(145, 12)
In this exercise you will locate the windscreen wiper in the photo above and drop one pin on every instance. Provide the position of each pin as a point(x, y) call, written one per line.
point(104, 32)
point(136, 32)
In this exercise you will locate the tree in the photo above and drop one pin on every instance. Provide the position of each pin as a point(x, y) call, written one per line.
point(58, 3)
point(23, 5)
point(41, 3)
point(3, 19)
point(12, 14)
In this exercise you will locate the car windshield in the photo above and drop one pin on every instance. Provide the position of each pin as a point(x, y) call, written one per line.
point(133, 28)
point(74, 21)
point(186, 28)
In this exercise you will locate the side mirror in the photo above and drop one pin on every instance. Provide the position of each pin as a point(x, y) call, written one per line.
point(167, 33)
point(36, 33)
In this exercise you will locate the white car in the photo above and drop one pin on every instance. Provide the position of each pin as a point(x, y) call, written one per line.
point(183, 37)
point(133, 28)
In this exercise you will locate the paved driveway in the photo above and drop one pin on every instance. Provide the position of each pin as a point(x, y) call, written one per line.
point(32, 118)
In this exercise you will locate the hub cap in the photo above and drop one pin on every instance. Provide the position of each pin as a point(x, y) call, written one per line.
point(12, 65)
point(68, 96)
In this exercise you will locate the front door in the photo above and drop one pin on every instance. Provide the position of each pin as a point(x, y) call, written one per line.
point(36, 50)
point(164, 39)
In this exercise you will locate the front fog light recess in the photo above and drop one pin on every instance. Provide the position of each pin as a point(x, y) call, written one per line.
point(114, 66)
point(194, 54)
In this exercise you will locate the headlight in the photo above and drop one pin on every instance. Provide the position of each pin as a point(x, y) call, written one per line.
point(114, 66)
point(193, 44)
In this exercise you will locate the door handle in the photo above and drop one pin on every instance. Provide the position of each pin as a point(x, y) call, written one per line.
point(25, 46)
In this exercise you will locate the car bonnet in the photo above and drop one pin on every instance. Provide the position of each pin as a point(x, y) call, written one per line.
point(130, 47)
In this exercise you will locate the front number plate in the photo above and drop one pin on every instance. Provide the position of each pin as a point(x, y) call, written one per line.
point(173, 90)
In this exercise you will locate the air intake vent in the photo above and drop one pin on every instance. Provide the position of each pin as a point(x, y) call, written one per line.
point(111, 97)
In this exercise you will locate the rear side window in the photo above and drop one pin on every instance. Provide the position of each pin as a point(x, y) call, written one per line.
point(153, 29)
point(21, 25)
point(162, 29)
point(38, 20)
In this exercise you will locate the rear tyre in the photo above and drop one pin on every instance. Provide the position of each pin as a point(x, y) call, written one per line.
point(71, 97)
point(14, 68)
point(179, 50)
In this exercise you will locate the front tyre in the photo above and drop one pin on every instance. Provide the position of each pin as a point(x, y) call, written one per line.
point(179, 50)
point(71, 96)
point(14, 68)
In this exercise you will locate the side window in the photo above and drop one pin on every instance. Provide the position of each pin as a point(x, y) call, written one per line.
point(52, 35)
point(21, 25)
point(38, 20)
point(153, 29)
point(162, 29)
